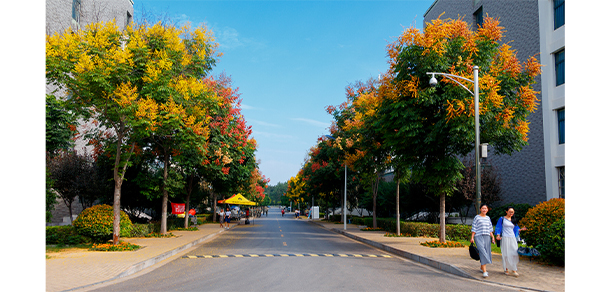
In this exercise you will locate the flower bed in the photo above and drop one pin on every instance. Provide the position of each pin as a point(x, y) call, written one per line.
point(436, 243)
point(388, 234)
point(122, 246)
point(371, 229)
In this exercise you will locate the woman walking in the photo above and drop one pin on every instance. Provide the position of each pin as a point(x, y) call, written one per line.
point(482, 236)
point(507, 231)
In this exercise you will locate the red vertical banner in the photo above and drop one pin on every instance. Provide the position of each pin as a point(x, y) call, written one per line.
point(178, 208)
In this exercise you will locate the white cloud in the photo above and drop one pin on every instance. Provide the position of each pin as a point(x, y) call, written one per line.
point(256, 134)
point(261, 123)
point(248, 107)
point(312, 122)
point(230, 38)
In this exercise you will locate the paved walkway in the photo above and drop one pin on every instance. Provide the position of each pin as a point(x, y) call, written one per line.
point(81, 270)
point(533, 276)
point(86, 270)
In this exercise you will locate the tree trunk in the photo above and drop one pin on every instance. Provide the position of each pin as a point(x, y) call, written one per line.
point(189, 189)
point(397, 204)
point(164, 190)
point(214, 209)
point(375, 189)
point(118, 181)
point(441, 235)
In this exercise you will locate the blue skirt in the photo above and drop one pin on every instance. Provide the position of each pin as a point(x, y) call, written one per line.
point(483, 243)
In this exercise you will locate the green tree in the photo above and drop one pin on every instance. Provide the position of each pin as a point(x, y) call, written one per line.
point(60, 125)
point(116, 77)
point(427, 128)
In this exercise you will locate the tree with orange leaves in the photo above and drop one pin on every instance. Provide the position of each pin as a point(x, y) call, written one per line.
point(427, 128)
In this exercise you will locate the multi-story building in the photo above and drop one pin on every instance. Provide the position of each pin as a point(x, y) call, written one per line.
point(533, 28)
point(76, 14)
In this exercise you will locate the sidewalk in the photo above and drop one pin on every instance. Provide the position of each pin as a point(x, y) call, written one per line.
point(81, 270)
point(457, 261)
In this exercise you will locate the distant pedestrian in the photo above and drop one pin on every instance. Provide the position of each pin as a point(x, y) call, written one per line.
point(507, 231)
point(221, 217)
point(227, 218)
point(482, 236)
point(283, 212)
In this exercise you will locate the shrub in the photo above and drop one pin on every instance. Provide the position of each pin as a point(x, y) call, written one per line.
point(553, 243)
point(418, 229)
point(142, 230)
point(97, 222)
point(540, 217)
point(64, 235)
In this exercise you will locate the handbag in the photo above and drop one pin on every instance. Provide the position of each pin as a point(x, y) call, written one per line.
point(474, 252)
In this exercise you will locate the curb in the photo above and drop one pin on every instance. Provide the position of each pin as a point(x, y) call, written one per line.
point(420, 259)
point(147, 263)
point(411, 256)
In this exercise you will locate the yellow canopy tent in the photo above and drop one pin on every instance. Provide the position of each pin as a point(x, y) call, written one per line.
point(237, 199)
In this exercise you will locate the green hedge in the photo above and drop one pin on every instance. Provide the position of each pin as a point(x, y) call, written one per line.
point(553, 246)
point(65, 235)
point(418, 229)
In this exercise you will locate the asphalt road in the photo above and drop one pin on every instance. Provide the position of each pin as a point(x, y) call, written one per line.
point(278, 253)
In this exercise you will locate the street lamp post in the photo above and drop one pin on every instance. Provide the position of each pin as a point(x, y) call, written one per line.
point(344, 192)
point(477, 150)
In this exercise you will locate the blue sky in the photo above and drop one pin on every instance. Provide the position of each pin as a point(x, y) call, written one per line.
point(291, 59)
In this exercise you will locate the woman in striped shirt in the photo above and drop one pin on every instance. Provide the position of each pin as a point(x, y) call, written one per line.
point(483, 236)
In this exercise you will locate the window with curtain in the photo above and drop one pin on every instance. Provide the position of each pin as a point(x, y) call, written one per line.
point(561, 125)
point(76, 10)
point(560, 13)
point(560, 68)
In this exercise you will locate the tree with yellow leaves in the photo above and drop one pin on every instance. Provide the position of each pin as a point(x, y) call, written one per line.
point(140, 82)
point(427, 128)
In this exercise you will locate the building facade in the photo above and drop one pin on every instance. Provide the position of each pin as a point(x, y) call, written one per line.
point(537, 172)
point(76, 14)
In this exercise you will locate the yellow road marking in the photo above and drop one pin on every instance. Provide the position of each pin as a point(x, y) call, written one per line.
point(284, 255)
point(299, 255)
point(269, 255)
point(342, 255)
point(254, 255)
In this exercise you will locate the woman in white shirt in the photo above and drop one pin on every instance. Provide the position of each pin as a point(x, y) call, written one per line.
point(508, 231)
point(482, 236)
point(227, 218)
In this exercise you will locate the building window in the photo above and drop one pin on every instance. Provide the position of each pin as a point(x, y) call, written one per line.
point(560, 13)
point(560, 68)
point(76, 10)
point(128, 19)
point(561, 172)
point(561, 125)
point(478, 17)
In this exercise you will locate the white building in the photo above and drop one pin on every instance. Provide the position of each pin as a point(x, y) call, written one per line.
point(552, 57)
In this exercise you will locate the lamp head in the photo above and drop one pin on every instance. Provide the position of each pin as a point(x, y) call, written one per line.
point(433, 81)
